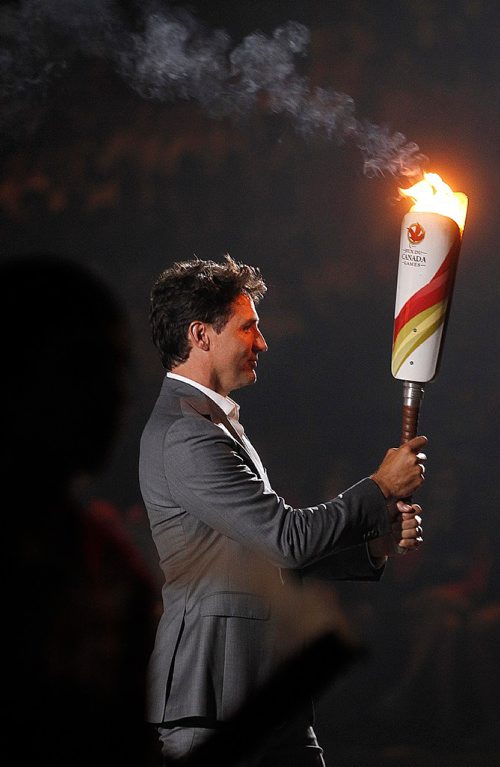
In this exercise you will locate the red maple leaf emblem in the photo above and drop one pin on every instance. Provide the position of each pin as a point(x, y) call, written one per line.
point(416, 233)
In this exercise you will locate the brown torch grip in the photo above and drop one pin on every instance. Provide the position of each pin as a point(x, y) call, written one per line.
point(413, 394)
point(409, 422)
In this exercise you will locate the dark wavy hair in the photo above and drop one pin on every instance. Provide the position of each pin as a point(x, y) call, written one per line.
point(197, 290)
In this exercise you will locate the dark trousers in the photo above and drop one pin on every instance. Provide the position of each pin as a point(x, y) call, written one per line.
point(284, 747)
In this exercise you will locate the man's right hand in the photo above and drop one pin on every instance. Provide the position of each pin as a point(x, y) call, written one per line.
point(402, 470)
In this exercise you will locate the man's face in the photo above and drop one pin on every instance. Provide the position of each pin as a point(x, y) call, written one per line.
point(234, 351)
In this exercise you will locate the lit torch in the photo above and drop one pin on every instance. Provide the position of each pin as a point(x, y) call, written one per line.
point(431, 236)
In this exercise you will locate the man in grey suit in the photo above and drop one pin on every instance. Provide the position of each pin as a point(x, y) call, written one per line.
point(220, 529)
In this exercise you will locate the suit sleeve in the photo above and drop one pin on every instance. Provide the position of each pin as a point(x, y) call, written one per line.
point(352, 564)
point(209, 478)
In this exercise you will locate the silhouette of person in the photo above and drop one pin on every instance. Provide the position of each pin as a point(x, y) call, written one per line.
point(81, 610)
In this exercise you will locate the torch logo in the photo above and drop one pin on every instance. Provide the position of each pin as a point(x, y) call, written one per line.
point(416, 233)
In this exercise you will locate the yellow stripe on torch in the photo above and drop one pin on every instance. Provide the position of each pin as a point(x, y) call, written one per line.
point(417, 330)
point(413, 323)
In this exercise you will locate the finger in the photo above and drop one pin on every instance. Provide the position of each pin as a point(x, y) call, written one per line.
point(408, 543)
point(408, 509)
point(414, 532)
point(411, 528)
point(411, 538)
point(403, 507)
point(417, 442)
point(411, 524)
point(412, 516)
point(412, 544)
point(421, 456)
point(415, 518)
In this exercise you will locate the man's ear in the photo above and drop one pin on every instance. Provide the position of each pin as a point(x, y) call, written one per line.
point(198, 335)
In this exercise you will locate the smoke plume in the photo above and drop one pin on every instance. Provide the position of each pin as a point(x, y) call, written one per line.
point(167, 54)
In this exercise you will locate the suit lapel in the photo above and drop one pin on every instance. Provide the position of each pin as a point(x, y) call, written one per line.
point(194, 398)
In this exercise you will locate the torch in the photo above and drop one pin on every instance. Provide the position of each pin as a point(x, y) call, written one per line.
point(431, 236)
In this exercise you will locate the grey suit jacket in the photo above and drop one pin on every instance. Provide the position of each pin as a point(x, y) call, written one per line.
point(215, 526)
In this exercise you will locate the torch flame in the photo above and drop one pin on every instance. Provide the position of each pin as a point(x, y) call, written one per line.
point(432, 195)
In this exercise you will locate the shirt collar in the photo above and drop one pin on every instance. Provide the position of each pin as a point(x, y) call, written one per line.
point(226, 404)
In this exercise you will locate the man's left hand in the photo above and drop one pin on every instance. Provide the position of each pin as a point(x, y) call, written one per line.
point(406, 532)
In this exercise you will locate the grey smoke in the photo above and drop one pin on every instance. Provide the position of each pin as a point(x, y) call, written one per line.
point(167, 54)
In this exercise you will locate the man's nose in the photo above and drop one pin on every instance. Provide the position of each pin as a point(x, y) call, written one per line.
point(260, 342)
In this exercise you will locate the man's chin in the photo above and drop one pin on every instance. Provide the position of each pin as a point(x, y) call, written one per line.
point(249, 379)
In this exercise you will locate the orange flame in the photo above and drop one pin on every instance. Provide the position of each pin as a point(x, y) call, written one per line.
point(432, 195)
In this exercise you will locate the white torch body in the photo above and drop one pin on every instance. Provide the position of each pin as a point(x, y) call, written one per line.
point(428, 257)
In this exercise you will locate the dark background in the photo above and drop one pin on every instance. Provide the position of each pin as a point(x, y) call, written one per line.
point(126, 185)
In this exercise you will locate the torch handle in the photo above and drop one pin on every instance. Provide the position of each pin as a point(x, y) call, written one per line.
point(413, 394)
point(409, 422)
